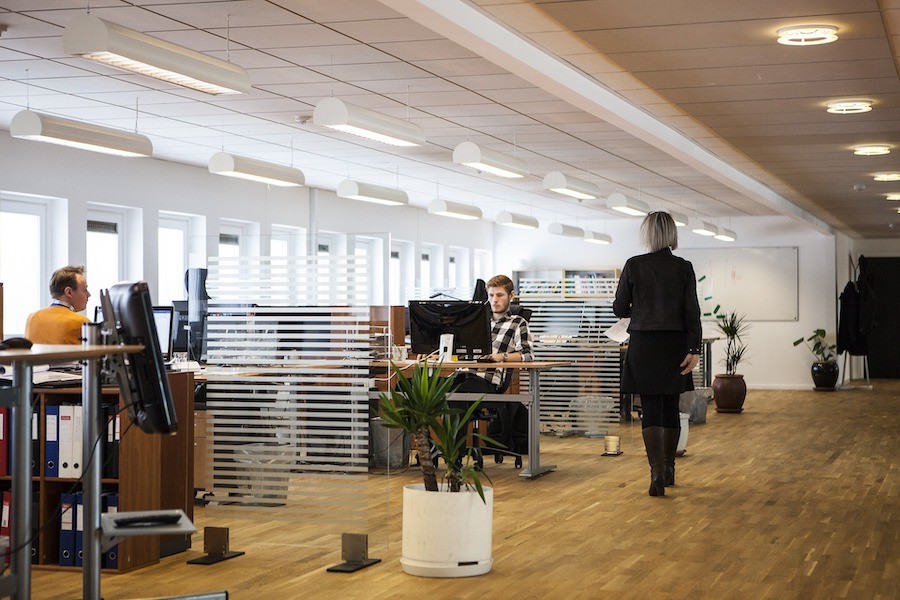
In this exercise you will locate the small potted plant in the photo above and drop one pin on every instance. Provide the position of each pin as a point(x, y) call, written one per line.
point(729, 389)
point(447, 526)
point(825, 369)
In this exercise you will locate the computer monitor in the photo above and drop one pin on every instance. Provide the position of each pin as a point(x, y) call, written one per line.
point(163, 316)
point(143, 383)
point(469, 322)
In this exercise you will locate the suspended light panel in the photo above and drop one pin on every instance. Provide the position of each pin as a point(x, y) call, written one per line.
point(559, 182)
point(356, 120)
point(455, 210)
point(509, 219)
point(565, 230)
point(680, 219)
point(703, 228)
point(29, 125)
point(807, 35)
point(725, 235)
point(472, 155)
point(593, 237)
point(635, 208)
point(368, 192)
point(849, 106)
point(242, 167)
point(117, 46)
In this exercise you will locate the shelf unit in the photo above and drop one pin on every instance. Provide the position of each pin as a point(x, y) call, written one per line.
point(155, 472)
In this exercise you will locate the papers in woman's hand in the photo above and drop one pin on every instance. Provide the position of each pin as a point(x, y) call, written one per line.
point(619, 331)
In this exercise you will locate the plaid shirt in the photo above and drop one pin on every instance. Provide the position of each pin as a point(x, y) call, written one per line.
point(509, 333)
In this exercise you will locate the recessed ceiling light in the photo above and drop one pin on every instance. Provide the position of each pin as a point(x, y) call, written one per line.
point(873, 150)
point(887, 176)
point(849, 106)
point(807, 35)
point(892, 196)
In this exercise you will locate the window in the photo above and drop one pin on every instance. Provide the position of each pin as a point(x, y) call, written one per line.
point(287, 241)
point(104, 254)
point(229, 245)
point(425, 273)
point(172, 258)
point(23, 258)
point(394, 293)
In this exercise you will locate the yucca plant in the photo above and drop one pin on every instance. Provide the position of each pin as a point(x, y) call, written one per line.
point(733, 327)
point(418, 405)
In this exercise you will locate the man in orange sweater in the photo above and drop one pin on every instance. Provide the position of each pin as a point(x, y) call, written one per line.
point(60, 322)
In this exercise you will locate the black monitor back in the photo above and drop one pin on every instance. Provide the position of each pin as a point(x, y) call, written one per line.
point(469, 322)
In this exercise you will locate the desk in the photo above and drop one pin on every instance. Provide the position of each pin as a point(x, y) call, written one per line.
point(18, 583)
point(532, 401)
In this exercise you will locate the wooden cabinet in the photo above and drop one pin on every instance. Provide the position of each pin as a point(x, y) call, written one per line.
point(154, 472)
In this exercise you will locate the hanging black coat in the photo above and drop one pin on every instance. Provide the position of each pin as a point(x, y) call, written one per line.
point(848, 335)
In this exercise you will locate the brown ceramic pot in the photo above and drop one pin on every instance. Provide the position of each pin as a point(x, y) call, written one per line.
point(729, 392)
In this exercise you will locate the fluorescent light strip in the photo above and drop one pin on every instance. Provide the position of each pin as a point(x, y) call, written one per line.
point(887, 176)
point(342, 116)
point(455, 210)
point(849, 106)
point(472, 155)
point(592, 237)
point(509, 219)
point(807, 35)
point(368, 192)
point(726, 235)
point(242, 167)
point(680, 219)
point(872, 150)
point(123, 48)
point(558, 182)
point(29, 125)
point(703, 228)
point(635, 208)
point(566, 230)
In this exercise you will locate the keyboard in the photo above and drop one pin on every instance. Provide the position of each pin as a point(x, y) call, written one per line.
point(148, 520)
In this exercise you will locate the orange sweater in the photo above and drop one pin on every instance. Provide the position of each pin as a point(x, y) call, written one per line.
point(55, 325)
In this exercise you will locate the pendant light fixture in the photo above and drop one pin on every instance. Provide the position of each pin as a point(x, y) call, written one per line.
point(30, 125)
point(455, 210)
point(593, 237)
point(559, 182)
point(703, 228)
point(680, 219)
point(369, 192)
point(242, 167)
point(490, 161)
point(117, 46)
point(565, 230)
point(725, 235)
point(635, 208)
point(509, 219)
point(342, 116)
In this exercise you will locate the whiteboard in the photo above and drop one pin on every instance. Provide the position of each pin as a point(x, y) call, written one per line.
point(761, 283)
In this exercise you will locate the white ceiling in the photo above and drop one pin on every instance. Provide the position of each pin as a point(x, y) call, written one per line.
point(690, 106)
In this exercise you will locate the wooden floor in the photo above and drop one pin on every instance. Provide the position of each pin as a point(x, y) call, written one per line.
point(797, 497)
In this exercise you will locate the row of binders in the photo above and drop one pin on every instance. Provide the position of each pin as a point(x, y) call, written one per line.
point(63, 442)
point(6, 527)
point(71, 531)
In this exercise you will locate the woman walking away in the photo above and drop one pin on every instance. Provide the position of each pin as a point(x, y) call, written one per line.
point(659, 292)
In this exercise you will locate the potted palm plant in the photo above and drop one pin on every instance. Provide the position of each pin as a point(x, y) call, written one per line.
point(729, 389)
point(447, 525)
point(825, 369)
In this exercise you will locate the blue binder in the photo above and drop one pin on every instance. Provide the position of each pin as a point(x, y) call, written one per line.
point(51, 449)
point(67, 531)
point(79, 529)
point(111, 556)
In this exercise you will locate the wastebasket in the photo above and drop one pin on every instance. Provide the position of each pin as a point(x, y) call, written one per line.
point(387, 447)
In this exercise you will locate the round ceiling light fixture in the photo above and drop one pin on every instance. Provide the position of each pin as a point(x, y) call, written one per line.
point(887, 176)
point(872, 150)
point(807, 35)
point(894, 196)
point(849, 106)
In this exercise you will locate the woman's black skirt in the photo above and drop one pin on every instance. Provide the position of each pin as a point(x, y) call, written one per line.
point(652, 363)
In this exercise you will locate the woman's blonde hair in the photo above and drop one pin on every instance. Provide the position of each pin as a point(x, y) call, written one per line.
point(658, 231)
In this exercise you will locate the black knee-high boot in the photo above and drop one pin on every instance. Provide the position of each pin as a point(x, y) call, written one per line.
point(654, 443)
point(670, 445)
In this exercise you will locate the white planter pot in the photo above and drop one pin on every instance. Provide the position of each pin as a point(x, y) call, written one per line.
point(446, 535)
point(683, 436)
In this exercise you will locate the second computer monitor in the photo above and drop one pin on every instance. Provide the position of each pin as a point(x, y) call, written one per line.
point(163, 316)
point(469, 322)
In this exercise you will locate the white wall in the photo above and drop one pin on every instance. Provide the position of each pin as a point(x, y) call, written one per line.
point(773, 361)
